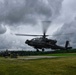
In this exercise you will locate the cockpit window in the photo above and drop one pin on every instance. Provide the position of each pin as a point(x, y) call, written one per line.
point(34, 39)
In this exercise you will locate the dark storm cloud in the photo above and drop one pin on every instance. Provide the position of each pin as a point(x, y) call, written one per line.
point(28, 11)
point(17, 12)
point(11, 11)
point(23, 11)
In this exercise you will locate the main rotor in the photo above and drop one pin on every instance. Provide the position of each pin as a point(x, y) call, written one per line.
point(45, 25)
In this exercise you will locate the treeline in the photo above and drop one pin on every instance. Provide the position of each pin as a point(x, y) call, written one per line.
point(65, 51)
point(14, 54)
point(28, 53)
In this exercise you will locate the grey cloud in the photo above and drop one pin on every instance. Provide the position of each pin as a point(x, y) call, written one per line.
point(2, 29)
point(18, 12)
point(28, 11)
point(56, 6)
point(11, 11)
point(24, 11)
point(68, 11)
point(7, 43)
point(68, 32)
point(68, 19)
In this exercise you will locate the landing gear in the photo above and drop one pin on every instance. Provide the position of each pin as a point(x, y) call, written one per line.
point(42, 49)
point(37, 50)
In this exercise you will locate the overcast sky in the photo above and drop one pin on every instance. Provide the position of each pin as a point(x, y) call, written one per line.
point(26, 16)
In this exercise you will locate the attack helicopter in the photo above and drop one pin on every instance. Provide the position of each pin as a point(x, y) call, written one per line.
point(44, 43)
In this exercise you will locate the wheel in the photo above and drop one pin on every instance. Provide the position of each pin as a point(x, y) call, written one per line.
point(37, 50)
point(43, 50)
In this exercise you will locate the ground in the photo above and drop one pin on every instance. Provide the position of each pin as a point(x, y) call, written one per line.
point(60, 64)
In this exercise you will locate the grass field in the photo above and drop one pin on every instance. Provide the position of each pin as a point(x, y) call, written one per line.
point(62, 54)
point(54, 66)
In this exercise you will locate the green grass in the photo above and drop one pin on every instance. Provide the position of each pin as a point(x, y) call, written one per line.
point(62, 54)
point(55, 66)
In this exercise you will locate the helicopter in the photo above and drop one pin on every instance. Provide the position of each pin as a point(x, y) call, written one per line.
point(44, 43)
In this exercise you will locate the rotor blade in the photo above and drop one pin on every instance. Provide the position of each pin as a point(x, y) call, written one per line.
point(43, 35)
point(28, 35)
point(62, 34)
point(45, 24)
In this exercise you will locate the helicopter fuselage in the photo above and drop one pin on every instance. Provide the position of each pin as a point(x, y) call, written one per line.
point(41, 43)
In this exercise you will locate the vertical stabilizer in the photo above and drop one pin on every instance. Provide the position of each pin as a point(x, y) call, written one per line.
point(67, 44)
